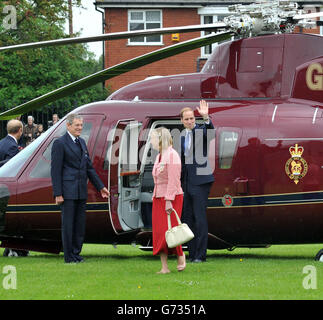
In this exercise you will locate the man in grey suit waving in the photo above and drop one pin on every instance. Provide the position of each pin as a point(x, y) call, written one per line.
point(70, 168)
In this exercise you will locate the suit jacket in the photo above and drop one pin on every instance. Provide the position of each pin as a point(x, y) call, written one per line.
point(196, 169)
point(70, 169)
point(167, 175)
point(8, 149)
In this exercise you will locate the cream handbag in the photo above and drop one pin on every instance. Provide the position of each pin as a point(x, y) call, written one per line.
point(177, 235)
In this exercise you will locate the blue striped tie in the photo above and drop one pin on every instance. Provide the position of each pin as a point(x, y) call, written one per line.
point(187, 143)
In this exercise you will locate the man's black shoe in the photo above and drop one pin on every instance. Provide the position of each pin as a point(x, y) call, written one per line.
point(198, 261)
point(79, 259)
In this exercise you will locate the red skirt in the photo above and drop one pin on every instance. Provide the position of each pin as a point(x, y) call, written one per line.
point(160, 226)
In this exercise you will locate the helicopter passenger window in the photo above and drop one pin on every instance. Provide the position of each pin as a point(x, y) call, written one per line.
point(42, 168)
point(227, 146)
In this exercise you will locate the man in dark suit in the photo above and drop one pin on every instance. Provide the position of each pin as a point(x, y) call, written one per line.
point(197, 177)
point(9, 145)
point(70, 168)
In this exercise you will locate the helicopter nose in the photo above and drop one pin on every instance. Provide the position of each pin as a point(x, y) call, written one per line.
point(4, 199)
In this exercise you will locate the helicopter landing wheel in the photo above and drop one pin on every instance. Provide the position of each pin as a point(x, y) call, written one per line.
point(15, 253)
point(319, 256)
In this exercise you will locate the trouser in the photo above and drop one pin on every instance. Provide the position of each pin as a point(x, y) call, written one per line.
point(73, 227)
point(194, 214)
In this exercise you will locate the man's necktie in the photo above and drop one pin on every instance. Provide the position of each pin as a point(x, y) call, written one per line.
point(187, 142)
point(78, 143)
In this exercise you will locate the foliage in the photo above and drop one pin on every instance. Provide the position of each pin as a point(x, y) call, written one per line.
point(27, 74)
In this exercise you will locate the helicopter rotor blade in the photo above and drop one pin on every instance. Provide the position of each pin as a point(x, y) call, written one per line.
point(115, 36)
point(115, 71)
point(308, 16)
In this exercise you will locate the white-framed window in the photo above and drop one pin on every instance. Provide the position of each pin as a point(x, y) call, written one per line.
point(321, 27)
point(145, 20)
point(311, 9)
point(211, 15)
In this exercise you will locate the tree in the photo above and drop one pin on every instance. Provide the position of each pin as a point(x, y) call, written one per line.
point(27, 74)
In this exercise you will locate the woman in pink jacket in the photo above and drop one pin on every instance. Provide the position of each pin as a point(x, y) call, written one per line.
point(168, 195)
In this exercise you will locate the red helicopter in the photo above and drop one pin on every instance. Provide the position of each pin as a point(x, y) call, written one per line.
point(265, 96)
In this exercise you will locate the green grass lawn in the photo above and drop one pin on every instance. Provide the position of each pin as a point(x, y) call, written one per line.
point(129, 273)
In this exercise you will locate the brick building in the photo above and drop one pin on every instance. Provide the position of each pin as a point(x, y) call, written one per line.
point(123, 15)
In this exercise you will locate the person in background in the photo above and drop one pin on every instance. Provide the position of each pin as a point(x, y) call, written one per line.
point(40, 130)
point(55, 119)
point(9, 145)
point(30, 131)
point(167, 195)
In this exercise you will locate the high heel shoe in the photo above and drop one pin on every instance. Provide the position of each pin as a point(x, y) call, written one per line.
point(182, 266)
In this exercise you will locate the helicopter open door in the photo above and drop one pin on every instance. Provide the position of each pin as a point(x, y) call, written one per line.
point(124, 176)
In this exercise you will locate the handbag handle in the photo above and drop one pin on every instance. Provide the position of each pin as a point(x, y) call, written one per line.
point(168, 219)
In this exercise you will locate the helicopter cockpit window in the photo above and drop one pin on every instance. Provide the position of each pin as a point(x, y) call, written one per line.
point(227, 146)
point(42, 168)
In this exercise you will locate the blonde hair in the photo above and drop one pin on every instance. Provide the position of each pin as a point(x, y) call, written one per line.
point(164, 137)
